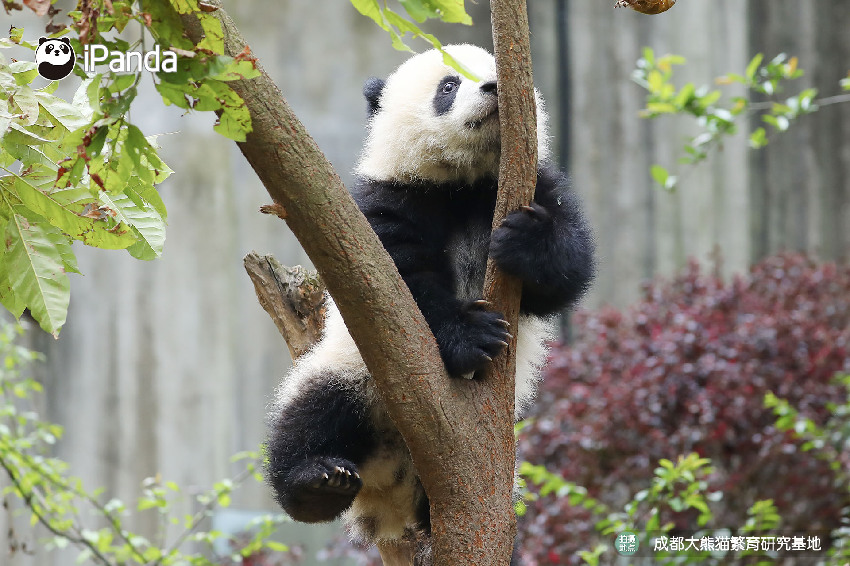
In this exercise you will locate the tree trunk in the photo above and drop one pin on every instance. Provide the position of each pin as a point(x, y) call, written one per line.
point(459, 432)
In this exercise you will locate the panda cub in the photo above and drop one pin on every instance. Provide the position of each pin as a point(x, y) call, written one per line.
point(426, 181)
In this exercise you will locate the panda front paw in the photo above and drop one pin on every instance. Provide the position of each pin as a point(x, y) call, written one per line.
point(518, 244)
point(470, 342)
point(319, 489)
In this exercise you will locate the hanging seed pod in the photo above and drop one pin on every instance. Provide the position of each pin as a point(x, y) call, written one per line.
point(646, 6)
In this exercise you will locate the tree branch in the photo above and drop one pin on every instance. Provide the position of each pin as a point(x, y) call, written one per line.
point(292, 297)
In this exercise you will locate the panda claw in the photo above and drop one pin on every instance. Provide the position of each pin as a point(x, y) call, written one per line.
point(504, 323)
point(481, 303)
point(503, 343)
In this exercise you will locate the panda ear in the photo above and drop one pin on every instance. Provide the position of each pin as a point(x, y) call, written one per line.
point(372, 91)
point(41, 40)
point(65, 40)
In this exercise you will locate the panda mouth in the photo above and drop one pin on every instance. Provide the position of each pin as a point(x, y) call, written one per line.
point(476, 124)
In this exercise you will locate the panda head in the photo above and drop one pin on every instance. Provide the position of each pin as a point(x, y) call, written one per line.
point(55, 58)
point(429, 123)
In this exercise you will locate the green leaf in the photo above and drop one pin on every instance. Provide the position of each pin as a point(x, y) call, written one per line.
point(144, 221)
point(758, 138)
point(122, 82)
point(224, 68)
point(371, 9)
point(449, 11)
point(69, 116)
point(8, 298)
point(276, 546)
point(417, 10)
point(453, 12)
point(36, 270)
point(655, 81)
point(184, 6)
point(93, 232)
point(661, 108)
point(166, 26)
point(174, 94)
point(213, 36)
point(710, 98)
point(24, 98)
point(686, 94)
point(660, 174)
point(235, 120)
point(753, 66)
point(23, 71)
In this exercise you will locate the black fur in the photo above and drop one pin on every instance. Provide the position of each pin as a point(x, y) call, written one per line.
point(372, 90)
point(446, 93)
point(548, 246)
point(317, 444)
point(490, 87)
point(312, 448)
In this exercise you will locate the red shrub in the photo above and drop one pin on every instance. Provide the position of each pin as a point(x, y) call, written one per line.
point(686, 369)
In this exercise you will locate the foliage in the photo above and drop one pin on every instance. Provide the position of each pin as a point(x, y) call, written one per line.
point(686, 370)
point(719, 118)
point(88, 520)
point(79, 169)
point(683, 485)
point(449, 11)
point(831, 443)
point(676, 487)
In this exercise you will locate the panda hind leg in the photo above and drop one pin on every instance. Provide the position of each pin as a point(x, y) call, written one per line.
point(319, 489)
point(316, 441)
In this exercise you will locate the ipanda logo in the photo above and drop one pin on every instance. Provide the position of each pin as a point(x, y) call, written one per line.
point(152, 61)
point(55, 59)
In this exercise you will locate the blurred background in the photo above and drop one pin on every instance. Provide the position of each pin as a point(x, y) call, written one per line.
point(166, 367)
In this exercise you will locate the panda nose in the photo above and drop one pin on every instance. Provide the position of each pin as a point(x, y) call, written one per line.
point(489, 87)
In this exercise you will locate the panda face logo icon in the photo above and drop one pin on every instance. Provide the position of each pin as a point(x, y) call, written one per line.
point(55, 58)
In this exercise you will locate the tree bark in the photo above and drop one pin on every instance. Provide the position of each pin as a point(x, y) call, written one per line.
point(292, 297)
point(459, 432)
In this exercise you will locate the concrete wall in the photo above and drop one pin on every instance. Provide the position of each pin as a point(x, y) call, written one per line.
point(165, 367)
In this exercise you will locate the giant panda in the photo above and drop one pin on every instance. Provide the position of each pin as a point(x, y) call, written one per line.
point(426, 181)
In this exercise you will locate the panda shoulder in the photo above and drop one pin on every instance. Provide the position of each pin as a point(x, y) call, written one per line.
point(370, 193)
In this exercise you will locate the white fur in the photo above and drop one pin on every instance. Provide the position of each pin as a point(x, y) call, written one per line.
point(385, 496)
point(337, 354)
point(407, 141)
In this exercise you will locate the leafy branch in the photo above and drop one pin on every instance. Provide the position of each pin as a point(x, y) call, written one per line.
point(79, 169)
point(719, 119)
point(449, 11)
point(57, 500)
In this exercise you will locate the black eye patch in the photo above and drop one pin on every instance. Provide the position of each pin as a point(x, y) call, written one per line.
point(444, 98)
